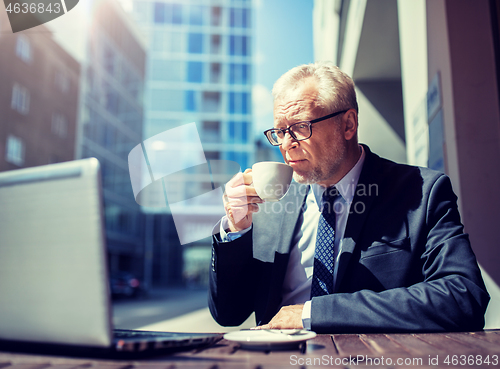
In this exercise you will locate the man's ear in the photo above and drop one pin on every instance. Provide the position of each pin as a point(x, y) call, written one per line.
point(350, 124)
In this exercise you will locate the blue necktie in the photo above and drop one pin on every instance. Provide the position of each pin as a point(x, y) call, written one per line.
point(322, 280)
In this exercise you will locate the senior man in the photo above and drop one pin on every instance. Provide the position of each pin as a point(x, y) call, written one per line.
point(360, 243)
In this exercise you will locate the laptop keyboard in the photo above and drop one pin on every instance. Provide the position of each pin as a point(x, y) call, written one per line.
point(137, 341)
point(125, 333)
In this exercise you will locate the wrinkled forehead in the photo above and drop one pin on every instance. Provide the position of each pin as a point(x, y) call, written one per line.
point(297, 105)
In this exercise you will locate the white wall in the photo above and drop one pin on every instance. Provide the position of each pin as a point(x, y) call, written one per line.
point(377, 133)
point(325, 29)
point(413, 48)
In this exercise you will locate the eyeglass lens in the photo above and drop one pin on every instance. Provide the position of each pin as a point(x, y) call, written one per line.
point(298, 131)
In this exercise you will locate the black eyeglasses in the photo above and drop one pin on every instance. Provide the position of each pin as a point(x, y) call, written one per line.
point(299, 131)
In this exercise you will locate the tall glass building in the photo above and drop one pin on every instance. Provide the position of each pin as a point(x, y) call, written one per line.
point(111, 118)
point(199, 69)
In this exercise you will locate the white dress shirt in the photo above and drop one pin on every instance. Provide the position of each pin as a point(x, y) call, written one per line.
point(298, 277)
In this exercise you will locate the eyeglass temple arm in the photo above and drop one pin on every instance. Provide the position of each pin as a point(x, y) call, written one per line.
point(327, 116)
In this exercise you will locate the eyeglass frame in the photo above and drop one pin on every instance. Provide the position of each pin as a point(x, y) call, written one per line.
point(309, 122)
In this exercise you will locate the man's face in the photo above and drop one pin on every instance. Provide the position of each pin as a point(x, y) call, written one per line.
point(322, 157)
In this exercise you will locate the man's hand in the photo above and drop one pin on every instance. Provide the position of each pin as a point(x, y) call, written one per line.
point(289, 317)
point(240, 201)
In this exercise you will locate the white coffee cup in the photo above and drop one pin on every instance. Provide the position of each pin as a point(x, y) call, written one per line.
point(271, 179)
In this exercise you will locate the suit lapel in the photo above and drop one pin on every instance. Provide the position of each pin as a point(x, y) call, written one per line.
point(362, 200)
point(272, 240)
point(274, 233)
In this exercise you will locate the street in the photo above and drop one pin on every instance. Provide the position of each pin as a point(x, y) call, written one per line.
point(158, 305)
point(170, 309)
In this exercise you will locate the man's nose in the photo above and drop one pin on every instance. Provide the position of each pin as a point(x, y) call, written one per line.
point(288, 142)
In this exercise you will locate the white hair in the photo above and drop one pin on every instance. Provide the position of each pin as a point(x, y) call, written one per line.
point(335, 88)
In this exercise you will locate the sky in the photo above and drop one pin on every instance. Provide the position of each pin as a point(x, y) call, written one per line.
point(283, 37)
point(283, 40)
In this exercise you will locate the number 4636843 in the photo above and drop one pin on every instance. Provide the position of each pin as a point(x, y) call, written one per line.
point(469, 360)
point(26, 8)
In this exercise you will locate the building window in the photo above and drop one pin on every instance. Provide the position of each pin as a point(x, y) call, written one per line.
point(211, 131)
point(238, 73)
point(15, 150)
point(168, 41)
point(177, 42)
point(196, 15)
point(110, 137)
point(243, 159)
point(167, 70)
point(176, 13)
point(59, 125)
point(195, 72)
point(216, 16)
point(239, 103)
point(238, 131)
point(212, 155)
point(245, 103)
point(23, 48)
point(195, 43)
point(168, 13)
point(215, 44)
point(166, 100)
point(190, 100)
point(239, 18)
point(239, 45)
point(244, 131)
point(159, 13)
point(20, 99)
point(232, 130)
point(133, 85)
point(112, 99)
point(215, 72)
point(240, 157)
point(61, 80)
point(109, 60)
point(211, 102)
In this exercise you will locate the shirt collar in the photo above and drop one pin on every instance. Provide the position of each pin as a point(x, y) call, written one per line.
point(347, 185)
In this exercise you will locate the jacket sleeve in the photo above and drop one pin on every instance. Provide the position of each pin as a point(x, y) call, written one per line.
point(451, 295)
point(231, 289)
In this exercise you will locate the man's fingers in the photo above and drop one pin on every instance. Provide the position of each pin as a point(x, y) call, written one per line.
point(241, 179)
point(245, 208)
point(239, 213)
point(264, 326)
point(240, 191)
point(287, 318)
point(240, 200)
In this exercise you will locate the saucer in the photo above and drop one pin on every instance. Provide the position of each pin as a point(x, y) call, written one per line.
point(270, 339)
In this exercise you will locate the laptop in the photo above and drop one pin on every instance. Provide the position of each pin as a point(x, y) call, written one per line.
point(54, 285)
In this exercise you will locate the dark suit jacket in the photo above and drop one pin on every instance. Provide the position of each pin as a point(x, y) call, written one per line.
point(405, 266)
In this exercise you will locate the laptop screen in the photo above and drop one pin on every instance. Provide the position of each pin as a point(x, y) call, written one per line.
point(53, 268)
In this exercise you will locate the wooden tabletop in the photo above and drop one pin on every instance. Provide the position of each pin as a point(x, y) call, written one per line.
point(473, 349)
